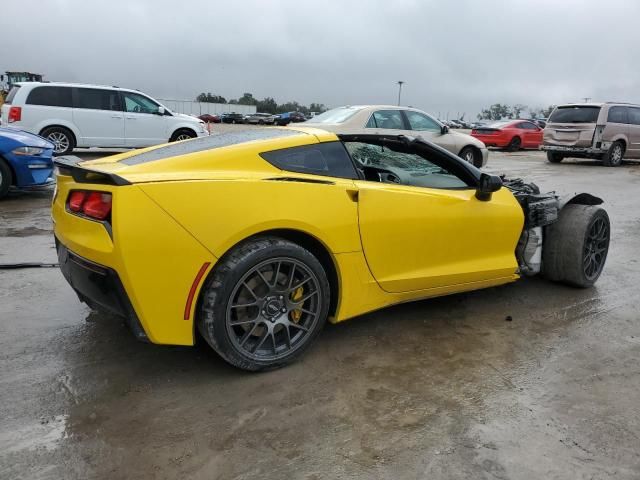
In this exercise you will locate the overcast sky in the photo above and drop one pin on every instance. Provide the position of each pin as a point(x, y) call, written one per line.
point(455, 56)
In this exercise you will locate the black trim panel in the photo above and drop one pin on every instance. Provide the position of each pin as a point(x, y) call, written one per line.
point(84, 175)
point(98, 286)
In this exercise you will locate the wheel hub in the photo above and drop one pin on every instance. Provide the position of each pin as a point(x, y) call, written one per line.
point(273, 307)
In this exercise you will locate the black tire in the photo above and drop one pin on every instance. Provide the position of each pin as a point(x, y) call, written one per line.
point(515, 144)
point(569, 246)
point(182, 134)
point(63, 140)
point(471, 155)
point(554, 157)
point(241, 310)
point(614, 156)
point(6, 178)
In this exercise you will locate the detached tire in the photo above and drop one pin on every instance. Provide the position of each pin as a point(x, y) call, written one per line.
point(6, 178)
point(264, 304)
point(576, 246)
point(614, 156)
point(554, 157)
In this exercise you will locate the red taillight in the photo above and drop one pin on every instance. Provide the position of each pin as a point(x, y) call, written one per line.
point(15, 114)
point(474, 132)
point(76, 199)
point(92, 204)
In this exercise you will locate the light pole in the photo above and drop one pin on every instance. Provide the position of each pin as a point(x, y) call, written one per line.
point(400, 82)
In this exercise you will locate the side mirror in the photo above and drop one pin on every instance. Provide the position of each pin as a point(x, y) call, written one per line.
point(487, 185)
point(444, 129)
point(160, 110)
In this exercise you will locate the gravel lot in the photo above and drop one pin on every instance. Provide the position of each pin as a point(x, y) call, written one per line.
point(438, 389)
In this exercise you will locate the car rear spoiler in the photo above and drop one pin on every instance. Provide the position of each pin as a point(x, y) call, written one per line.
point(68, 166)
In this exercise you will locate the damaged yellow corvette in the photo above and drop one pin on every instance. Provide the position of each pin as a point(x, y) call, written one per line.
point(255, 238)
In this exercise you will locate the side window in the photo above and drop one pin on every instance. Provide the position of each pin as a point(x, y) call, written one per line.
point(384, 164)
point(388, 119)
point(135, 103)
point(634, 116)
point(96, 99)
point(526, 126)
point(618, 115)
point(329, 159)
point(50, 96)
point(419, 121)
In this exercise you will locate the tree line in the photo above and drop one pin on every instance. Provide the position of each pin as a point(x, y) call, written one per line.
point(266, 105)
point(498, 111)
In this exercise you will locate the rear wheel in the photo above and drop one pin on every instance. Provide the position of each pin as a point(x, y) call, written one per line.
point(62, 139)
point(264, 304)
point(576, 246)
point(515, 144)
point(613, 157)
point(554, 157)
point(471, 155)
point(6, 178)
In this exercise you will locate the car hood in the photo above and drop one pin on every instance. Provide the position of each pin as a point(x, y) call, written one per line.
point(467, 139)
point(182, 116)
point(20, 137)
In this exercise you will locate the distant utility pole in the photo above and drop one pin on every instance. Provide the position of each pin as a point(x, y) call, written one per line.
point(400, 82)
point(587, 99)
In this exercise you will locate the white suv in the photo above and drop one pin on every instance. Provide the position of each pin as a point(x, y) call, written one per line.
point(75, 115)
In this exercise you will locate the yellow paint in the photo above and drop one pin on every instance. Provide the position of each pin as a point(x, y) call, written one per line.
point(184, 211)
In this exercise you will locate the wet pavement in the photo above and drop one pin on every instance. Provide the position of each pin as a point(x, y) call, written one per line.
point(439, 389)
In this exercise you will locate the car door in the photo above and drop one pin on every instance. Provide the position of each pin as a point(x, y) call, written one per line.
point(143, 125)
point(531, 134)
point(98, 116)
point(426, 127)
point(633, 149)
point(421, 225)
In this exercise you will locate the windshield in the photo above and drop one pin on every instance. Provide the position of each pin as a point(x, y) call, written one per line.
point(572, 114)
point(337, 115)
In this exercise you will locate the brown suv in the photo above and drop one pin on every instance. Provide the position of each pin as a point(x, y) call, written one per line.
point(605, 131)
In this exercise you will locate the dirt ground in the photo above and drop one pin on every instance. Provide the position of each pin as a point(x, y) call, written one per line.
point(439, 389)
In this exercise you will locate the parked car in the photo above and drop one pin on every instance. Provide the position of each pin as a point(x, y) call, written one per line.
point(25, 160)
point(289, 117)
point(604, 131)
point(354, 223)
point(541, 122)
point(394, 120)
point(260, 119)
point(209, 118)
point(510, 134)
point(77, 115)
point(232, 117)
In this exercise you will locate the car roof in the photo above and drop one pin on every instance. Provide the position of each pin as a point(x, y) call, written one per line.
point(76, 85)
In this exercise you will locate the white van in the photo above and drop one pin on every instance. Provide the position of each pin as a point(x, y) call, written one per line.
point(76, 115)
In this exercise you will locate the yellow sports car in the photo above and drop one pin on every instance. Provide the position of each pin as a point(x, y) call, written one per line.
point(255, 238)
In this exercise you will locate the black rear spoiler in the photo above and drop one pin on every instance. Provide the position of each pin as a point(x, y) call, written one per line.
point(68, 166)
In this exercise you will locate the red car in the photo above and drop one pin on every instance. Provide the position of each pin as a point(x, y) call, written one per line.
point(208, 118)
point(510, 134)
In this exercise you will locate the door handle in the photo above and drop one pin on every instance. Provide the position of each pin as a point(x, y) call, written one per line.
point(116, 116)
point(131, 118)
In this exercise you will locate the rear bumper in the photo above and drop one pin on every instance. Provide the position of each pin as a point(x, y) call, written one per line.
point(100, 286)
point(583, 151)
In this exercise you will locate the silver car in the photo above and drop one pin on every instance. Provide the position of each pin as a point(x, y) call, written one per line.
point(604, 131)
point(259, 119)
point(393, 120)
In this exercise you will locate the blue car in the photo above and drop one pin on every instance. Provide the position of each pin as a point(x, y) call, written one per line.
point(25, 160)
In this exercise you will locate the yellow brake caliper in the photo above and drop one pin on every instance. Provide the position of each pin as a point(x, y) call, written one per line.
point(296, 295)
